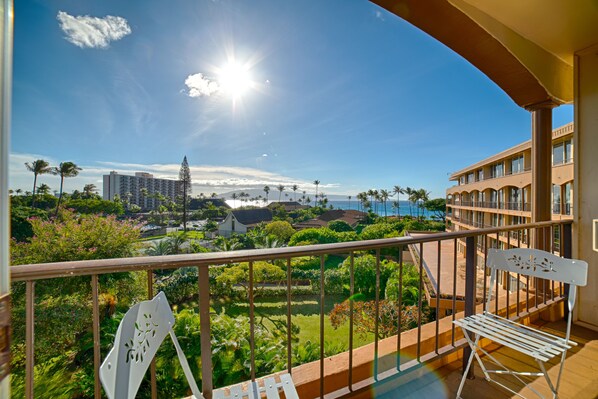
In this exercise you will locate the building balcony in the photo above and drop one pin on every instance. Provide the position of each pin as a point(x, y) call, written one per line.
point(393, 353)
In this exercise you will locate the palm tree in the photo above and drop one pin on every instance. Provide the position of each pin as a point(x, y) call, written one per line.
point(384, 194)
point(398, 190)
point(267, 191)
point(280, 189)
point(349, 198)
point(317, 183)
point(295, 188)
point(43, 189)
point(65, 169)
point(38, 167)
point(18, 191)
point(422, 196)
point(234, 197)
point(90, 189)
point(409, 191)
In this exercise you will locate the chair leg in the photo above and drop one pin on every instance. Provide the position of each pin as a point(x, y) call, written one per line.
point(547, 377)
point(473, 352)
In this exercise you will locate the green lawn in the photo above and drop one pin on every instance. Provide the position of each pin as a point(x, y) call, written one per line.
point(305, 314)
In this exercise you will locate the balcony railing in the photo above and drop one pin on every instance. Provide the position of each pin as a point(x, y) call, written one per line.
point(432, 340)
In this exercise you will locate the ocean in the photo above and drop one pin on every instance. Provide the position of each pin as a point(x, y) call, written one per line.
point(353, 204)
point(390, 211)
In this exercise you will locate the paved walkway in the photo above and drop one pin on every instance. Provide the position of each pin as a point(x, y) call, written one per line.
point(447, 267)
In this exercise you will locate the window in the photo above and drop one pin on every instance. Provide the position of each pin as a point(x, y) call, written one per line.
point(556, 198)
point(517, 165)
point(480, 174)
point(497, 170)
point(462, 180)
point(562, 152)
point(558, 154)
point(515, 198)
point(470, 178)
point(567, 199)
point(568, 151)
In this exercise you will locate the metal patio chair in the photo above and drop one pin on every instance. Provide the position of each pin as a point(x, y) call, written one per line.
point(140, 334)
point(539, 345)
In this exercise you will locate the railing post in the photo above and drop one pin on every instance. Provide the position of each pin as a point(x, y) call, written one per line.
point(566, 248)
point(470, 295)
point(205, 331)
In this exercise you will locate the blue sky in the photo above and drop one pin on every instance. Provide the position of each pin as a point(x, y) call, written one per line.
point(339, 91)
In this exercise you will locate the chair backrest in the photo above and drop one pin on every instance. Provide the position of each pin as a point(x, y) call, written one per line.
point(537, 263)
point(139, 335)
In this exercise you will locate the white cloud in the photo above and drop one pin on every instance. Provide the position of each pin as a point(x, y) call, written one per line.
point(200, 85)
point(92, 32)
point(206, 178)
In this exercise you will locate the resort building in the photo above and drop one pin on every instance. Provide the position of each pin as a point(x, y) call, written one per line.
point(497, 190)
point(130, 188)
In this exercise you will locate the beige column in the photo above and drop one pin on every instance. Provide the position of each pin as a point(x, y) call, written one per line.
point(541, 169)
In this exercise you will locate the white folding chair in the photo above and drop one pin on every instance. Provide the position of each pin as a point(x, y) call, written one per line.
point(537, 344)
point(137, 340)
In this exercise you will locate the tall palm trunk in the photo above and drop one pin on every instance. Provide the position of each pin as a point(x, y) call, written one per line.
point(33, 192)
point(59, 196)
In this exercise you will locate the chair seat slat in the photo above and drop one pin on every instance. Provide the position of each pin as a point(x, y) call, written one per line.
point(288, 387)
point(271, 388)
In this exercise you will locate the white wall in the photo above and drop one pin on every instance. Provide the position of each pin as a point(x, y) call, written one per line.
point(586, 178)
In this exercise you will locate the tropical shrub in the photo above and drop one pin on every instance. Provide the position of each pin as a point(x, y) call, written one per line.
point(339, 226)
point(263, 273)
point(410, 285)
point(95, 205)
point(281, 230)
point(314, 236)
point(20, 226)
point(69, 237)
point(364, 317)
point(364, 268)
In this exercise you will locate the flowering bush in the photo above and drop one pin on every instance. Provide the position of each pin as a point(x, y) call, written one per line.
point(70, 237)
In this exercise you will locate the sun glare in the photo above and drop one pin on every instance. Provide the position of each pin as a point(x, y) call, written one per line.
point(234, 79)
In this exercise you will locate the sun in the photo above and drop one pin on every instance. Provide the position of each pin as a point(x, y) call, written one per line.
point(234, 79)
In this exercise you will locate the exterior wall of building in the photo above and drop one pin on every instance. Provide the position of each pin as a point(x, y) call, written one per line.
point(497, 191)
point(231, 225)
point(130, 187)
point(586, 174)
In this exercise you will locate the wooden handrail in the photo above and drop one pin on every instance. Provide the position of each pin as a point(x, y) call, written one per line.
point(89, 267)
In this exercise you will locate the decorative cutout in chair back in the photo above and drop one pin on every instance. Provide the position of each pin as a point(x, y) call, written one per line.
point(536, 263)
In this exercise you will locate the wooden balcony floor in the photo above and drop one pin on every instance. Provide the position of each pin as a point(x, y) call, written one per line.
point(579, 380)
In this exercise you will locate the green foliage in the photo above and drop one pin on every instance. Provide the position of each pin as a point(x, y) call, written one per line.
point(68, 237)
point(381, 230)
point(281, 230)
point(365, 273)
point(438, 207)
point(263, 272)
point(20, 226)
point(95, 205)
point(42, 201)
point(410, 285)
point(365, 321)
point(314, 236)
point(339, 226)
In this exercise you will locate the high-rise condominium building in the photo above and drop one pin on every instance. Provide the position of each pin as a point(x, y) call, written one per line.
point(130, 188)
point(497, 190)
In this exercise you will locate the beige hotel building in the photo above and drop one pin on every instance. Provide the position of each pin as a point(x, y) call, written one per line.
point(496, 191)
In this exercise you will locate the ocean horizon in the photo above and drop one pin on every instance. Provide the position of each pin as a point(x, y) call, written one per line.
point(405, 208)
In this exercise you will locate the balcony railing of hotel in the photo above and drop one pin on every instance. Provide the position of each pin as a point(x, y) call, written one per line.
point(512, 206)
point(355, 369)
point(514, 172)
